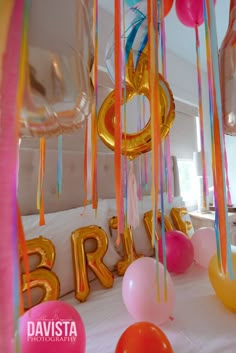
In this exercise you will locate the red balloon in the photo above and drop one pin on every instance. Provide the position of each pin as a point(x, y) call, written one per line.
point(190, 12)
point(167, 6)
point(179, 251)
point(143, 337)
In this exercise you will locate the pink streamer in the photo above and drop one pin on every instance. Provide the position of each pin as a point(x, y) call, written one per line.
point(89, 158)
point(8, 177)
point(133, 211)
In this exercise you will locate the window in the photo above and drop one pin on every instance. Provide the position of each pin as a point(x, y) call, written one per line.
point(187, 181)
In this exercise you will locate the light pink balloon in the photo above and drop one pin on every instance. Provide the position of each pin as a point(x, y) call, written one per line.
point(204, 245)
point(139, 290)
point(52, 327)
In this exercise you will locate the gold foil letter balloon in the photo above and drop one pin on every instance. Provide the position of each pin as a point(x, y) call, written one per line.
point(227, 59)
point(58, 88)
point(94, 260)
point(128, 245)
point(41, 275)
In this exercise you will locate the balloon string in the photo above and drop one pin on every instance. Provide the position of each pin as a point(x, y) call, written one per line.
point(168, 164)
point(163, 234)
point(221, 226)
point(210, 87)
point(23, 59)
point(201, 120)
point(126, 173)
point(155, 116)
point(41, 174)
point(145, 156)
point(118, 125)
point(59, 165)
point(219, 150)
point(95, 111)
point(168, 169)
point(85, 169)
point(211, 114)
point(139, 127)
point(161, 22)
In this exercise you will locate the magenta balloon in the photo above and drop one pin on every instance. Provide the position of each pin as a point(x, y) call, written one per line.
point(139, 291)
point(179, 251)
point(190, 12)
point(52, 327)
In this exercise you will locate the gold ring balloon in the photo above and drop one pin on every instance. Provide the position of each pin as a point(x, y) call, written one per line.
point(137, 83)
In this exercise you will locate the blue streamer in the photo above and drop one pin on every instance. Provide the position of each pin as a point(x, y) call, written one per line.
point(142, 46)
point(135, 25)
point(131, 3)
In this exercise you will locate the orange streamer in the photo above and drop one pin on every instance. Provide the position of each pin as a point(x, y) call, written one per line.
point(40, 192)
point(220, 190)
point(85, 163)
point(118, 130)
point(94, 110)
point(154, 103)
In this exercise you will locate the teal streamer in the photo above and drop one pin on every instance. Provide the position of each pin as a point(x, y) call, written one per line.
point(135, 25)
point(142, 46)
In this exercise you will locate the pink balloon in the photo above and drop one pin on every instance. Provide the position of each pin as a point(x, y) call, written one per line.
point(52, 327)
point(204, 244)
point(139, 290)
point(190, 12)
point(179, 251)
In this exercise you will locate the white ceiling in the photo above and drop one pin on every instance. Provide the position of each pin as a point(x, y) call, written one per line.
point(181, 39)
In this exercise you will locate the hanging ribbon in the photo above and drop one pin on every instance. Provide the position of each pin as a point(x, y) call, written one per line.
point(200, 110)
point(85, 169)
point(23, 247)
point(221, 218)
point(161, 27)
point(168, 167)
point(210, 87)
point(95, 112)
point(41, 175)
point(155, 117)
point(118, 125)
point(59, 165)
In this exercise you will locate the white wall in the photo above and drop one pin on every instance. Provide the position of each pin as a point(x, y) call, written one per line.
point(230, 142)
